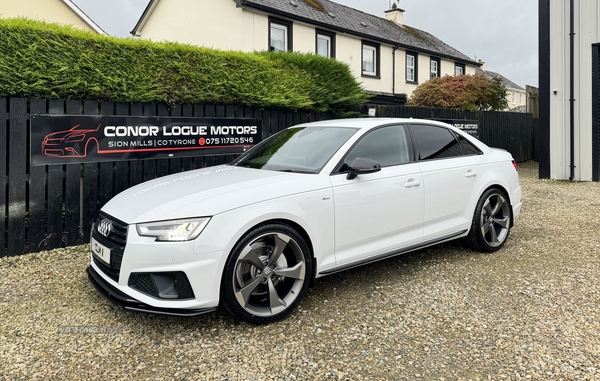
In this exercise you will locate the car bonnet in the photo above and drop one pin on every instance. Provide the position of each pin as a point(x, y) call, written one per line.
point(204, 192)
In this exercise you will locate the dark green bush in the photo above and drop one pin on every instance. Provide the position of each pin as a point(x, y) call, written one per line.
point(44, 60)
point(334, 86)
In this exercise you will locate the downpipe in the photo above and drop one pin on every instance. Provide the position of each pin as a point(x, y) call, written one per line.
point(394, 69)
point(572, 90)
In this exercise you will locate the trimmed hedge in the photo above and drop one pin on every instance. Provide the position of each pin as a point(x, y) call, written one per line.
point(45, 60)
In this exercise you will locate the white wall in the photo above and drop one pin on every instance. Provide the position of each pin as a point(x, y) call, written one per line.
point(255, 34)
point(447, 67)
point(517, 99)
point(349, 50)
point(304, 38)
point(45, 10)
point(587, 14)
point(213, 24)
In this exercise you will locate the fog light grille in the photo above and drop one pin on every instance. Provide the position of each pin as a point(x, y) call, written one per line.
point(143, 283)
point(171, 285)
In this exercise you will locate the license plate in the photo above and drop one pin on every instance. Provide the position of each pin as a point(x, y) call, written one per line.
point(100, 251)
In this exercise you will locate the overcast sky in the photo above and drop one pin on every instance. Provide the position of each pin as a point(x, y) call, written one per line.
point(504, 34)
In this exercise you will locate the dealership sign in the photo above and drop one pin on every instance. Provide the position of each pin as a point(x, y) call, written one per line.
point(471, 127)
point(64, 139)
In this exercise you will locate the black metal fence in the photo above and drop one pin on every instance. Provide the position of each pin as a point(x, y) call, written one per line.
point(52, 206)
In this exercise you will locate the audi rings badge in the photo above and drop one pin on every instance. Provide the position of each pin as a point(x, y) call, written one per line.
point(104, 227)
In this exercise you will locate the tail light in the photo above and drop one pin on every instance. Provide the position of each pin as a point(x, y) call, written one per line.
point(515, 165)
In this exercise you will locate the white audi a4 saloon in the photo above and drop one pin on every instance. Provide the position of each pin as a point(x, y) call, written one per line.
point(311, 200)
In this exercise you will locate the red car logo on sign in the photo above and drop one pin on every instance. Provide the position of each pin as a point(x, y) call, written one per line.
point(70, 143)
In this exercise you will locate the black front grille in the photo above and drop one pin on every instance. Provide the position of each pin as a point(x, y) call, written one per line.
point(115, 241)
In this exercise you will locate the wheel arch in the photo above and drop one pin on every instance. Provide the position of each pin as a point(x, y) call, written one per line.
point(503, 189)
point(90, 141)
point(483, 234)
point(501, 175)
point(266, 307)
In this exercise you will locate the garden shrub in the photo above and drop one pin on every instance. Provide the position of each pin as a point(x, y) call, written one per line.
point(45, 60)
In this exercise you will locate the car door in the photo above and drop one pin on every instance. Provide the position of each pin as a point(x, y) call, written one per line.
point(450, 180)
point(378, 212)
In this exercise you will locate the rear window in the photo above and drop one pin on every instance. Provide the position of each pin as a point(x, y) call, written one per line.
point(434, 142)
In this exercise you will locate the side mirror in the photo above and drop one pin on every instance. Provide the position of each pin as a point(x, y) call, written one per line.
point(362, 166)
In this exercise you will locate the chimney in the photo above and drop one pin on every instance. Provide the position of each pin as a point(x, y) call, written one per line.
point(482, 67)
point(395, 14)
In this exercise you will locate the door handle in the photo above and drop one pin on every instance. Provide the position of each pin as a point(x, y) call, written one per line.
point(412, 183)
point(470, 173)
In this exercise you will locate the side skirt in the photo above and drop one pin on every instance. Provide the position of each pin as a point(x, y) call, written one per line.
point(392, 253)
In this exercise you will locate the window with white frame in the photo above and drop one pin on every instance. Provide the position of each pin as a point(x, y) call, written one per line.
point(459, 69)
point(513, 97)
point(434, 70)
point(280, 32)
point(520, 98)
point(411, 67)
point(278, 37)
point(325, 44)
point(370, 58)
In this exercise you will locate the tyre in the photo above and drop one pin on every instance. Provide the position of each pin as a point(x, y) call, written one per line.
point(491, 222)
point(267, 274)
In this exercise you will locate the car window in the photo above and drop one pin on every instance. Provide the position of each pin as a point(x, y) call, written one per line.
point(434, 142)
point(386, 145)
point(468, 147)
point(298, 149)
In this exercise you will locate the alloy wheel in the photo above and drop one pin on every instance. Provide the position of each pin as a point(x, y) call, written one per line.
point(495, 220)
point(269, 274)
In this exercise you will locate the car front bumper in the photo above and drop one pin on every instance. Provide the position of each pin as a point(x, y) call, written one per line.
point(119, 298)
point(139, 274)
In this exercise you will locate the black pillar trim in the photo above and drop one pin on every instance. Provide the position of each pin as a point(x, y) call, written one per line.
point(595, 112)
point(544, 82)
point(572, 89)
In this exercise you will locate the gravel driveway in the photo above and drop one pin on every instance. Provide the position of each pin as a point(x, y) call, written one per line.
point(530, 311)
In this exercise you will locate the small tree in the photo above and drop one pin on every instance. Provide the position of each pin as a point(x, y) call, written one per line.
point(465, 92)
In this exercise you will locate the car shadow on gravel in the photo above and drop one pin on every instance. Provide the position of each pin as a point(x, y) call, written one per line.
point(391, 271)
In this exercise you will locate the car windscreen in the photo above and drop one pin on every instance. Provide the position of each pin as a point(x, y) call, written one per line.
point(298, 149)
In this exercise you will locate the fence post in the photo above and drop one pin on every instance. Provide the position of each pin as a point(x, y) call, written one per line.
point(4, 117)
point(17, 189)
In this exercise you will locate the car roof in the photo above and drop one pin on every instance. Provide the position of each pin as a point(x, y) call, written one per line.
point(367, 123)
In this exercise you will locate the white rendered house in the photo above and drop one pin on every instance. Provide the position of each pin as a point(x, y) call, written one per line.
point(389, 58)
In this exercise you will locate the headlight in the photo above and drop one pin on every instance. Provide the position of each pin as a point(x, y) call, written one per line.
point(76, 138)
point(175, 230)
